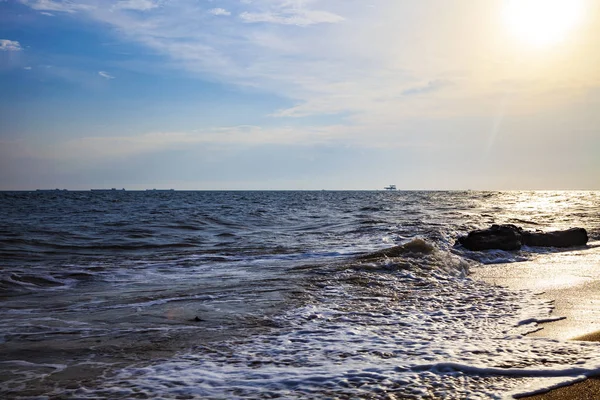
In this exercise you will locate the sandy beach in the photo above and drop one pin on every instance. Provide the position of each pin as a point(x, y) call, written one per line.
point(574, 288)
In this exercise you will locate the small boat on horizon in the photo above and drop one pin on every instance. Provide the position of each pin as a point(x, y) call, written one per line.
point(391, 187)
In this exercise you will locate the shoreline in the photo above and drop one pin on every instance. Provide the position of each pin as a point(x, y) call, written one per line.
point(588, 389)
point(574, 288)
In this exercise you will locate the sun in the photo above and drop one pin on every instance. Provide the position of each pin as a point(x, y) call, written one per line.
point(543, 23)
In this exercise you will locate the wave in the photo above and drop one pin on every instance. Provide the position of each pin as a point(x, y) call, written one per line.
point(19, 283)
point(19, 245)
point(419, 256)
point(448, 367)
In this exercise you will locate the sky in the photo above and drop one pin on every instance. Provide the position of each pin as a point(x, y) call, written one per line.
point(300, 94)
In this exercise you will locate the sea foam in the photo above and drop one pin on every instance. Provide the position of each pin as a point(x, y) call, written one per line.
point(412, 326)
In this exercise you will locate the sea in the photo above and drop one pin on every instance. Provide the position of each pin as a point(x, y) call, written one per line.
point(269, 295)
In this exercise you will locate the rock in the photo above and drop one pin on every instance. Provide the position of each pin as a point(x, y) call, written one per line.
point(502, 237)
point(511, 237)
point(415, 246)
point(568, 238)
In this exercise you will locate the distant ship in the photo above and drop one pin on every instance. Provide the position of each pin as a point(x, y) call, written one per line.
point(160, 190)
point(51, 190)
point(391, 187)
point(107, 190)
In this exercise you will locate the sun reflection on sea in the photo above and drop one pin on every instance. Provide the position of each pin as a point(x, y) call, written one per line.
point(548, 210)
point(543, 201)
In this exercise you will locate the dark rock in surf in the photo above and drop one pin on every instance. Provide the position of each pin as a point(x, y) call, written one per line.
point(568, 238)
point(502, 237)
point(511, 237)
point(415, 246)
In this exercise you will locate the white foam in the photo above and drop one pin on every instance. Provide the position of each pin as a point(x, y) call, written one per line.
point(28, 364)
point(24, 372)
point(369, 329)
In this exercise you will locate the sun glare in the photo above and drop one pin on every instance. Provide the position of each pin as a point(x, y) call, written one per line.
point(543, 23)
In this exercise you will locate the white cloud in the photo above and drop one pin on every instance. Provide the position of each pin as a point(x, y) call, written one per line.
point(219, 11)
point(72, 75)
point(379, 66)
point(111, 147)
point(65, 6)
point(10, 45)
point(290, 12)
point(292, 17)
point(105, 75)
point(139, 5)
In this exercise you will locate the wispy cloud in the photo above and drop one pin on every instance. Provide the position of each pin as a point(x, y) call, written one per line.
point(10, 45)
point(428, 87)
point(70, 75)
point(139, 5)
point(105, 75)
point(291, 12)
point(219, 11)
point(66, 6)
point(298, 17)
point(112, 147)
point(376, 65)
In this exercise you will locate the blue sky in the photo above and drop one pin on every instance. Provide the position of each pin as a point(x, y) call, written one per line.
point(299, 94)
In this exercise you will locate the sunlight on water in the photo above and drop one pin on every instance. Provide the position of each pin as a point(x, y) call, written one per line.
point(546, 201)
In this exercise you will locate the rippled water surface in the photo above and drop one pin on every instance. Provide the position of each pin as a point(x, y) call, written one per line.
point(265, 295)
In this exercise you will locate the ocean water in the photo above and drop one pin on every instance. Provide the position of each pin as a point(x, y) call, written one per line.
point(261, 295)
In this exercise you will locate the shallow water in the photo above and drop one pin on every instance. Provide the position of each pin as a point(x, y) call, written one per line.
point(262, 295)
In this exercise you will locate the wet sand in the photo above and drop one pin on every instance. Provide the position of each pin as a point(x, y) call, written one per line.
point(571, 279)
point(586, 390)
